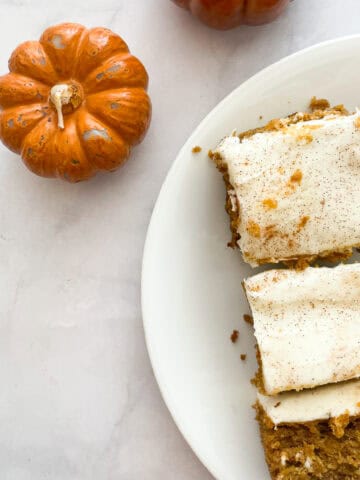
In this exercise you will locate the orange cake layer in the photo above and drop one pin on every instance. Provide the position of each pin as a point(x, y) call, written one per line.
point(314, 434)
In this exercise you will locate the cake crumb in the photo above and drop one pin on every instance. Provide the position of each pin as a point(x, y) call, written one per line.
point(234, 336)
point(338, 424)
point(319, 104)
point(269, 203)
point(296, 177)
point(303, 221)
point(277, 404)
point(243, 356)
point(301, 264)
point(211, 154)
point(253, 229)
point(196, 149)
point(306, 137)
point(248, 318)
point(260, 117)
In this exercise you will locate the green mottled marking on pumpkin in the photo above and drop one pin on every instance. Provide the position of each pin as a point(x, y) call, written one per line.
point(74, 161)
point(94, 132)
point(30, 151)
point(99, 76)
point(113, 69)
point(57, 42)
point(114, 106)
point(10, 123)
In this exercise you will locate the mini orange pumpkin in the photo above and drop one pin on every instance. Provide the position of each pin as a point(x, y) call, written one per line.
point(74, 102)
point(225, 14)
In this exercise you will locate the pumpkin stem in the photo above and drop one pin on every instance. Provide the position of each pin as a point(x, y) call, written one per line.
point(64, 94)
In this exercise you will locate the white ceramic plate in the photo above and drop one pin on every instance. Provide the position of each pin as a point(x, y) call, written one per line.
point(191, 287)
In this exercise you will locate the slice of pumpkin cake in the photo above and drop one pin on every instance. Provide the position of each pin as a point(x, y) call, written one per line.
point(293, 187)
point(307, 326)
point(313, 434)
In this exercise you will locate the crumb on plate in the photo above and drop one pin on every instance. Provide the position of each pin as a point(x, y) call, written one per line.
point(234, 336)
point(196, 149)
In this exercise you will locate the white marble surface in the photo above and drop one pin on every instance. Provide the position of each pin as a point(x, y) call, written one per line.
point(78, 399)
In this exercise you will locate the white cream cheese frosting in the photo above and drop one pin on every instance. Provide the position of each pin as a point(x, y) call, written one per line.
point(317, 404)
point(307, 325)
point(297, 188)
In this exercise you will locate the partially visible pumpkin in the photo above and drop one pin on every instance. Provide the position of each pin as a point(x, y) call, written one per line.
point(74, 102)
point(226, 14)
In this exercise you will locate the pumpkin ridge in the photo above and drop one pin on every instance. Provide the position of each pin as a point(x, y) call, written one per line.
point(61, 42)
point(25, 77)
point(119, 124)
point(50, 159)
point(49, 60)
point(34, 127)
point(106, 127)
point(133, 89)
point(115, 137)
point(81, 140)
point(97, 118)
point(98, 45)
point(17, 66)
point(37, 126)
point(122, 55)
point(23, 102)
point(77, 50)
point(92, 169)
point(14, 79)
point(102, 120)
point(15, 110)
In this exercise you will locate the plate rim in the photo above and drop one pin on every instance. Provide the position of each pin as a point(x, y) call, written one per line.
point(174, 412)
